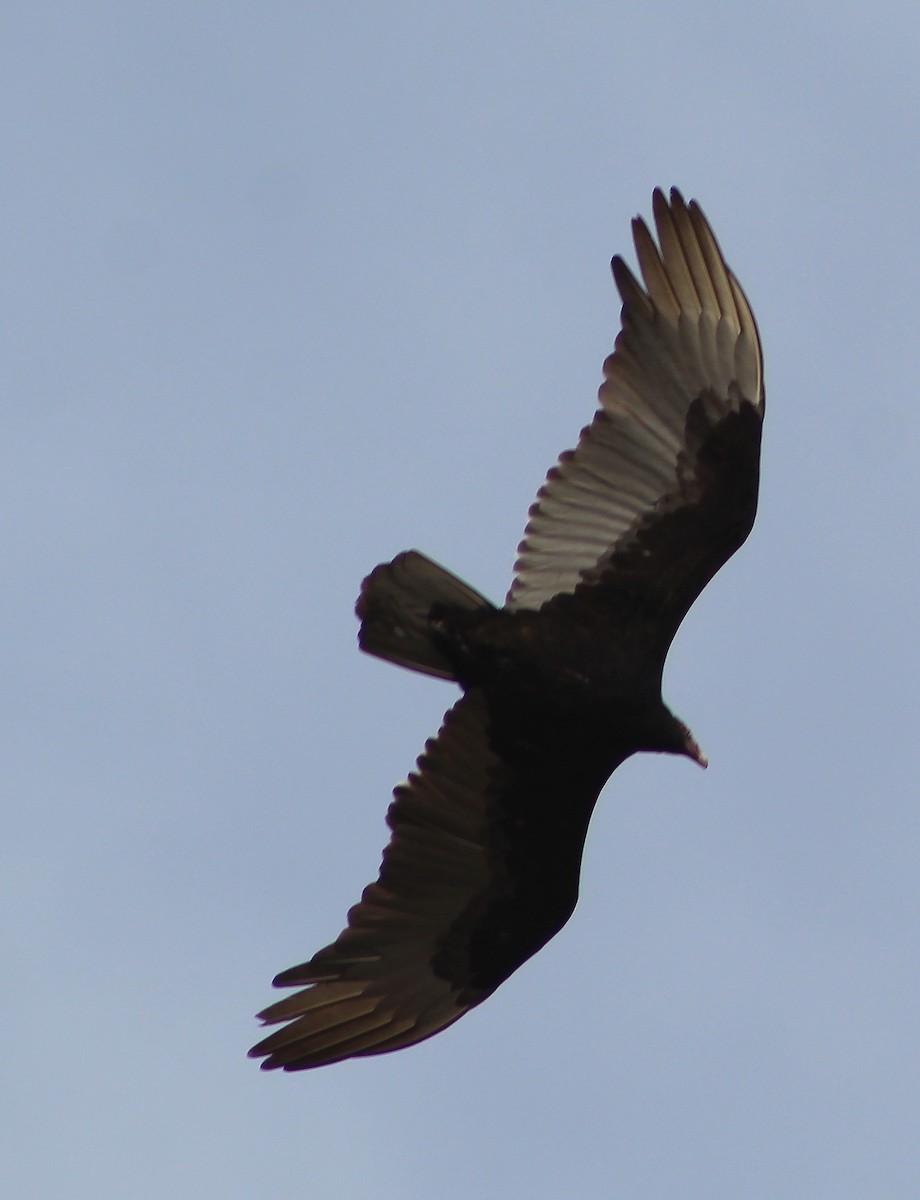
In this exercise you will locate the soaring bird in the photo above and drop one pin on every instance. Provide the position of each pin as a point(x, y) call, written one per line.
point(562, 683)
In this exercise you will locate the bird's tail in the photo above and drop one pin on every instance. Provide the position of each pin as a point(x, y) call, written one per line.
point(395, 610)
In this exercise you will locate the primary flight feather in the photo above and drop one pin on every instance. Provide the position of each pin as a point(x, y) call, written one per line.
point(560, 685)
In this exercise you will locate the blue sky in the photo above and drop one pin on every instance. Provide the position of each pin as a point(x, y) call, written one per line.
point(289, 288)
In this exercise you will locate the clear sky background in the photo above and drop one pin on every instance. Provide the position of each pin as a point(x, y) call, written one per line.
point(288, 288)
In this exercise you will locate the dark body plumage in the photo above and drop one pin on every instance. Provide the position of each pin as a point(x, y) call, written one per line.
point(563, 683)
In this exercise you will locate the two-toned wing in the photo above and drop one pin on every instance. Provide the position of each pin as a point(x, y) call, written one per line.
point(463, 898)
point(677, 435)
point(376, 988)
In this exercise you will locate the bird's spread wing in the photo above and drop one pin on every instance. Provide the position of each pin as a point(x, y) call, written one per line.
point(463, 898)
point(676, 437)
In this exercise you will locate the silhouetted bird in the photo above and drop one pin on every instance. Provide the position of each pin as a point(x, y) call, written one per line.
point(563, 683)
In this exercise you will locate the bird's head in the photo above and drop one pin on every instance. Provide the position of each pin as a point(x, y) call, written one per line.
point(688, 745)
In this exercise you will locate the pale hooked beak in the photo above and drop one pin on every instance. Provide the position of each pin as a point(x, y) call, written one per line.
point(692, 750)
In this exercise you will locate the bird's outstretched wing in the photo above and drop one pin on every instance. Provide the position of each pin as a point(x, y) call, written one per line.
point(475, 879)
point(662, 486)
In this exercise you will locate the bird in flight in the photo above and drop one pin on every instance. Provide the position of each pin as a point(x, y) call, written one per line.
point(560, 685)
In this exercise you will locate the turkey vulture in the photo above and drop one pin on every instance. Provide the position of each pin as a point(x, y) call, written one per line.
point(560, 685)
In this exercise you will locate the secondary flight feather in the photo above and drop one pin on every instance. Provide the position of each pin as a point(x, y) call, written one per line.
point(562, 683)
